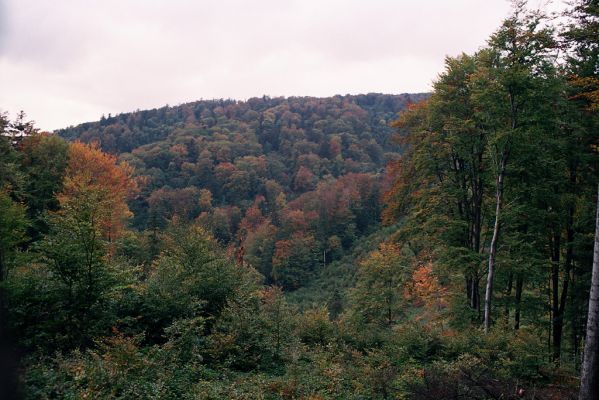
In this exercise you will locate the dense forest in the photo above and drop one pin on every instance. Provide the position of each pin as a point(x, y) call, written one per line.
point(286, 184)
point(415, 246)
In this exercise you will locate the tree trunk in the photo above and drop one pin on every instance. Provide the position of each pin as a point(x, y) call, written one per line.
point(495, 238)
point(559, 307)
point(589, 380)
point(3, 306)
point(475, 220)
point(574, 322)
point(8, 357)
point(519, 285)
point(508, 293)
point(472, 291)
point(557, 320)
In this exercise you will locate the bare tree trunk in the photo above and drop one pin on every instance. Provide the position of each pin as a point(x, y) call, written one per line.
point(495, 238)
point(589, 380)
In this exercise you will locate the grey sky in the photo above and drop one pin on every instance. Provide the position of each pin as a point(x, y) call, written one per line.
point(70, 61)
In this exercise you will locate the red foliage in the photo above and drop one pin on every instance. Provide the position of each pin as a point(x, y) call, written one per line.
point(304, 179)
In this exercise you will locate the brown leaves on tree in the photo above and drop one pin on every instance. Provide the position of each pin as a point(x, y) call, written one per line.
point(90, 170)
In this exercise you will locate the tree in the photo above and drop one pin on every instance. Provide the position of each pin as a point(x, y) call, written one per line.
point(512, 72)
point(13, 225)
point(44, 161)
point(78, 248)
point(259, 247)
point(445, 162)
point(10, 175)
point(426, 291)
point(19, 129)
point(589, 381)
point(581, 35)
point(75, 251)
point(377, 296)
point(294, 260)
point(192, 277)
point(304, 180)
point(497, 122)
point(168, 203)
point(91, 170)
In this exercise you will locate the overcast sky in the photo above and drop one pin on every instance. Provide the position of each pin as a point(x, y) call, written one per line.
point(69, 61)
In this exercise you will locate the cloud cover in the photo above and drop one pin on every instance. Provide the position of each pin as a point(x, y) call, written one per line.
point(70, 61)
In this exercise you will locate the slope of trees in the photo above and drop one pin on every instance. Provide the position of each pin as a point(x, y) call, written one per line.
point(232, 250)
point(288, 183)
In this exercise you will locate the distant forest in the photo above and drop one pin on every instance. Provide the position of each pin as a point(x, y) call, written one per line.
point(417, 246)
point(290, 181)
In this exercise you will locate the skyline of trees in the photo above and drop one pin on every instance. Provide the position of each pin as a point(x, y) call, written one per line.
point(355, 247)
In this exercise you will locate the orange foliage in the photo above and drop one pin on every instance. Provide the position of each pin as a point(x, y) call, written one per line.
point(253, 218)
point(399, 189)
point(426, 291)
point(91, 170)
point(282, 251)
point(297, 220)
point(589, 90)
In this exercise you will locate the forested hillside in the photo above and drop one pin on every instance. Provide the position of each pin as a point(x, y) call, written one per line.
point(432, 246)
point(287, 183)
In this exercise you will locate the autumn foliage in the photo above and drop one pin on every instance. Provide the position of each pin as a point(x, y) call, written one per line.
point(91, 171)
point(427, 294)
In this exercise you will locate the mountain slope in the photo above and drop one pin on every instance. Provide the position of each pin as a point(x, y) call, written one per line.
point(288, 183)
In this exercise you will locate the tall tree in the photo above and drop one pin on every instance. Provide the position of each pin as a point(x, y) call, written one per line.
point(513, 69)
point(90, 169)
point(589, 381)
point(13, 224)
point(378, 295)
point(75, 252)
point(581, 35)
point(43, 163)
